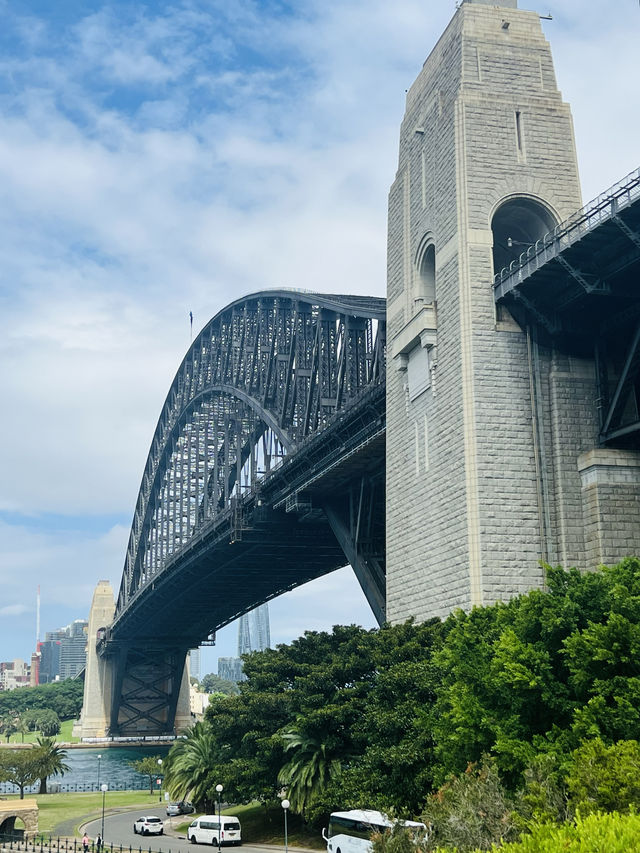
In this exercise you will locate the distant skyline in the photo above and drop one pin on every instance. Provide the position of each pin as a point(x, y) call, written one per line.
point(157, 160)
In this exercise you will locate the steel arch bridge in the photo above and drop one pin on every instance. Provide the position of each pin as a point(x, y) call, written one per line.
point(266, 470)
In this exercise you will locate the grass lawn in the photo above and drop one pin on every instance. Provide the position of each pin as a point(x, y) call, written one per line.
point(54, 809)
point(65, 735)
point(265, 825)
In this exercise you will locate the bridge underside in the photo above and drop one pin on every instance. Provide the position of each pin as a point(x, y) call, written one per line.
point(578, 286)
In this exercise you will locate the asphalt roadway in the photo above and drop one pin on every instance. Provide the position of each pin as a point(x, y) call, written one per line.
point(118, 831)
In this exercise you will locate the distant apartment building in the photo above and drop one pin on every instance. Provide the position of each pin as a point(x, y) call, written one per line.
point(230, 669)
point(73, 649)
point(63, 653)
point(14, 673)
point(254, 635)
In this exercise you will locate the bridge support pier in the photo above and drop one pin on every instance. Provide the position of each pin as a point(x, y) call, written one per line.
point(94, 718)
point(132, 692)
point(610, 500)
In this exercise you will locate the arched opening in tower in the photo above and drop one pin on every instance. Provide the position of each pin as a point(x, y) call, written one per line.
point(426, 292)
point(516, 225)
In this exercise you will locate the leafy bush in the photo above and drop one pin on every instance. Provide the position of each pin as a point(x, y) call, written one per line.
point(597, 833)
point(470, 811)
point(543, 797)
point(605, 778)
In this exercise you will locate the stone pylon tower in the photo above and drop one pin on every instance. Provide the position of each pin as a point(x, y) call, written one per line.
point(94, 719)
point(484, 426)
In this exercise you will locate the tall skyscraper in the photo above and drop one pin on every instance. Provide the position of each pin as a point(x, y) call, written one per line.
point(253, 636)
point(253, 631)
point(194, 663)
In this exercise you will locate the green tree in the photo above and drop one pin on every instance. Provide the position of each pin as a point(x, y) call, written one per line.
point(9, 723)
point(190, 764)
point(148, 767)
point(212, 683)
point(311, 768)
point(51, 758)
point(48, 722)
point(30, 719)
point(21, 767)
point(541, 672)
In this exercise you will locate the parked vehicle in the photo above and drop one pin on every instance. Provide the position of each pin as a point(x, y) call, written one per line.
point(149, 825)
point(209, 830)
point(350, 832)
point(182, 807)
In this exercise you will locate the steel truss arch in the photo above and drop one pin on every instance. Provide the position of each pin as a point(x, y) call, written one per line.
point(266, 373)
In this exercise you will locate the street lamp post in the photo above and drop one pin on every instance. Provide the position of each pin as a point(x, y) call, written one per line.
point(99, 760)
point(219, 790)
point(160, 780)
point(285, 807)
point(104, 788)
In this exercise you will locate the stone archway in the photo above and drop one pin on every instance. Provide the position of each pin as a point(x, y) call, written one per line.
point(26, 811)
point(516, 224)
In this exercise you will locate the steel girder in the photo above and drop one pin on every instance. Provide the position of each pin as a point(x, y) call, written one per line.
point(267, 372)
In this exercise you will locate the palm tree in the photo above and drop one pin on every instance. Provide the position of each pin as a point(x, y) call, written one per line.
point(190, 763)
point(308, 771)
point(51, 758)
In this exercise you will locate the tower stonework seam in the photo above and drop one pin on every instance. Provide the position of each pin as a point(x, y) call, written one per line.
point(484, 424)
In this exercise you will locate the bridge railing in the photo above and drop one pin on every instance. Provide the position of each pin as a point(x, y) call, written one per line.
point(573, 229)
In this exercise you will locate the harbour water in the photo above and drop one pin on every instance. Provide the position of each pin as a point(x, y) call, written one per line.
point(90, 768)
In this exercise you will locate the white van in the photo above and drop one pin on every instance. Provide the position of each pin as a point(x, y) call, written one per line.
point(209, 829)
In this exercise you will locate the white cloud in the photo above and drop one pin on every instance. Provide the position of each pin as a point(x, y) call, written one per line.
point(14, 610)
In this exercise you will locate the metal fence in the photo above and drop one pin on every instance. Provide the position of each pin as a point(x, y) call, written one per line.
point(45, 843)
point(76, 787)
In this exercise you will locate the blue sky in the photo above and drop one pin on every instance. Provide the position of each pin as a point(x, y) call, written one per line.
point(160, 158)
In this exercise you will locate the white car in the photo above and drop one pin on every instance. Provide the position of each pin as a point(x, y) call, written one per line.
point(149, 825)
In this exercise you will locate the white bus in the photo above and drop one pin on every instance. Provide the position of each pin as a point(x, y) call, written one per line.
point(350, 832)
point(208, 830)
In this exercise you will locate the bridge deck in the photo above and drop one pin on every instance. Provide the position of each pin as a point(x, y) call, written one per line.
point(583, 277)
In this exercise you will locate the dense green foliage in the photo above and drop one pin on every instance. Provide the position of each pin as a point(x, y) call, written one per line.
point(513, 713)
point(597, 833)
point(605, 778)
point(212, 683)
point(43, 720)
point(62, 697)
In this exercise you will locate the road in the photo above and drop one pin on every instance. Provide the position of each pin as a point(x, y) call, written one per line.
point(118, 830)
